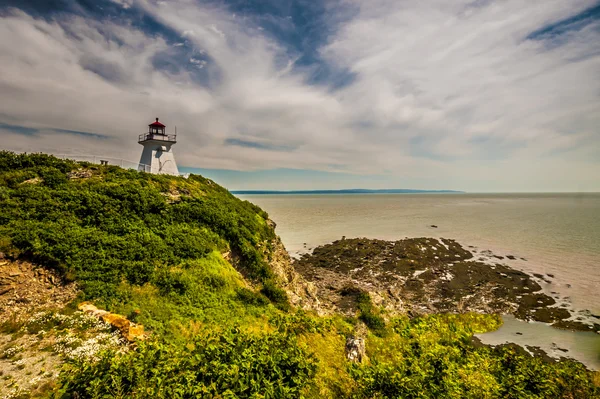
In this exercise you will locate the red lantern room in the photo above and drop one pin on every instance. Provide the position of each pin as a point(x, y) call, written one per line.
point(156, 127)
point(156, 132)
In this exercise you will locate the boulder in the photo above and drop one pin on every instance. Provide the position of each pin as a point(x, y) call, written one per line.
point(129, 330)
point(355, 349)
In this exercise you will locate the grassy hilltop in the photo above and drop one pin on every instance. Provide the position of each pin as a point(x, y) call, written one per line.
point(195, 266)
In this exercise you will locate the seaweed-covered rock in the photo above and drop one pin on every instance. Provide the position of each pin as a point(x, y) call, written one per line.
point(422, 275)
point(576, 326)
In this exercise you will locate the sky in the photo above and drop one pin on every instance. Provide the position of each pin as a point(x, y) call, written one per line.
point(473, 95)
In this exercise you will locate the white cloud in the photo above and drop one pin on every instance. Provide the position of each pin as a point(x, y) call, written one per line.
point(447, 92)
point(126, 4)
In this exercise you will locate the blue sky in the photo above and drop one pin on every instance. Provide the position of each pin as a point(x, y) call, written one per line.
point(474, 95)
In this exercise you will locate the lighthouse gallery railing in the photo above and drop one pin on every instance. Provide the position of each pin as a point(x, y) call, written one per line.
point(157, 137)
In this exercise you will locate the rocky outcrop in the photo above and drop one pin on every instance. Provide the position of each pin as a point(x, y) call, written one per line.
point(80, 174)
point(301, 293)
point(128, 329)
point(355, 349)
point(26, 288)
point(422, 275)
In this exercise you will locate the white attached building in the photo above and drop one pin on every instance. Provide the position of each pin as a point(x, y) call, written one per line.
point(158, 154)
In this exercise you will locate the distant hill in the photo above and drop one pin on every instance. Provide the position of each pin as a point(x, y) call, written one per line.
point(350, 191)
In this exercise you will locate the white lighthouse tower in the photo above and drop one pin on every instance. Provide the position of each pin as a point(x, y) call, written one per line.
point(157, 155)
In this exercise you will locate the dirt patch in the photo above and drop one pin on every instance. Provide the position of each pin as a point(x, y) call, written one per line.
point(30, 337)
point(26, 366)
point(31, 357)
point(26, 288)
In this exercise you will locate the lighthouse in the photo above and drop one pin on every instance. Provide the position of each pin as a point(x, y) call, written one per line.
point(157, 156)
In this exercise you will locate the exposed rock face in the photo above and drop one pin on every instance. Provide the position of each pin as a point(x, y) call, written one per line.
point(80, 174)
point(421, 275)
point(129, 330)
point(25, 288)
point(355, 349)
point(301, 293)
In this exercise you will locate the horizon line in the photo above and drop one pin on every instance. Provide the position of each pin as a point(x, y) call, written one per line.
point(346, 191)
point(397, 191)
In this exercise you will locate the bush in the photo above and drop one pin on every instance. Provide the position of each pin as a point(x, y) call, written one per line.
point(250, 297)
point(171, 281)
point(275, 294)
point(368, 314)
point(220, 364)
point(53, 177)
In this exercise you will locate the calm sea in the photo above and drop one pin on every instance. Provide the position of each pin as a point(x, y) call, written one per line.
point(556, 233)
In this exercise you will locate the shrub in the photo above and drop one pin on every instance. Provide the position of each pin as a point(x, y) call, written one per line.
point(368, 314)
point(250, 297)
point(171, 281)
point(275, 294)
point(52, 176)
point(219, 364)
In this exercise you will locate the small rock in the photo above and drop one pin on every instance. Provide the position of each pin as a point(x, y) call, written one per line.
point(355, 349)
point(434, 226)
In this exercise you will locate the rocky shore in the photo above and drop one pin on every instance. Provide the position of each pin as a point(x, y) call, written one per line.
point(427, 275)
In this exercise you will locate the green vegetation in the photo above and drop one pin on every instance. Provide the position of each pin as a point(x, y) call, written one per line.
point(433, 357)
point(118, 229)
point(368, 314)
point(155, 247)
point(228, 363)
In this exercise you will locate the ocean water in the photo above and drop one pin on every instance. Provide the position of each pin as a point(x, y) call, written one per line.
point(547, 233)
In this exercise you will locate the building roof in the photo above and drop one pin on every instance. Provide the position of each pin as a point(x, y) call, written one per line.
point(156, 124)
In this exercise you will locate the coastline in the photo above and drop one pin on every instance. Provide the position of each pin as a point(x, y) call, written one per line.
point(429, 276)
point(553, 232)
